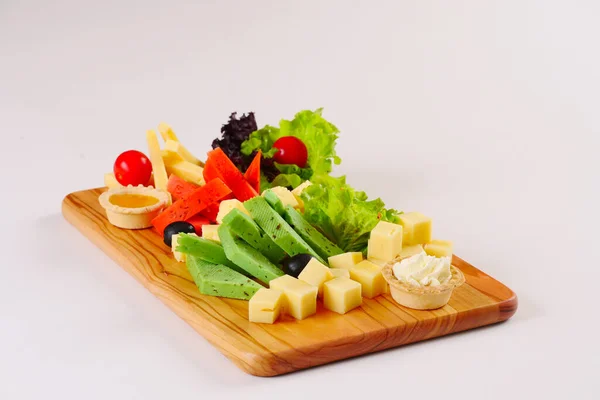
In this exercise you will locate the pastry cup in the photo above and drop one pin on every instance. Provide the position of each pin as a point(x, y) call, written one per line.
point(422, 297)
point(132, 216)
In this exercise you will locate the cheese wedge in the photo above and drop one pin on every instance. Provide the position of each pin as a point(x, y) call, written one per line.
point(158, 165)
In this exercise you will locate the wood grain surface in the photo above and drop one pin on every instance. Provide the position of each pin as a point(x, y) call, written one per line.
point(288, 345)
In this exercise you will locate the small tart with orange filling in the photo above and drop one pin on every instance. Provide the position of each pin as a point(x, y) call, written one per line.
point(133, 207)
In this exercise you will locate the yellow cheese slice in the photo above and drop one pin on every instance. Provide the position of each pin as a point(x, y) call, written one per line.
point(158, 165)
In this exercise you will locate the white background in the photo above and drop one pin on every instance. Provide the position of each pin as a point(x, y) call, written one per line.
point(484, 115)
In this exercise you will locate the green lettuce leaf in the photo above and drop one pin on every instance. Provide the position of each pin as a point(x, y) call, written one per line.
point(263, 140)
point(343, 214)
point(318, 135)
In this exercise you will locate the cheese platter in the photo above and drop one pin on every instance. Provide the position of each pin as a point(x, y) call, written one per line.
point(273, 260)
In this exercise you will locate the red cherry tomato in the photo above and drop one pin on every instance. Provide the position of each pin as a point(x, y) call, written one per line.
point(291, 150)
point(132, 168)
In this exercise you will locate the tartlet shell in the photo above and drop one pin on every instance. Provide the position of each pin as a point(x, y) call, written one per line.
point(133, 218)
point(422, 297)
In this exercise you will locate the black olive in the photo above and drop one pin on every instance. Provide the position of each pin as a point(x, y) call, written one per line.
point(294, 265)
point(177, 227)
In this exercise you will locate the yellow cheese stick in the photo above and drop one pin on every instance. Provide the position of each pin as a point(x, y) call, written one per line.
point(166, 132)
point(158, 165)
point(187, 171)
point(179, 148)
point(170, 157)
point(172, 143)
point(177, 165)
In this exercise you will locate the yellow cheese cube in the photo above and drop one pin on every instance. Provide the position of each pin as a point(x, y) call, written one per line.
point(211, 232)
point(375, 261)
point(110, 181)
point(227, 205)
point(286, 197)
point(369, 276)
point(316, 274)
point(342, 295)
point(340, 272)
point(346, 260)
point(417, 228)
point(299, 297)
point(265, 306)
point(385, 242)
point(409, 251)
point(439, 248)
point(174, 243)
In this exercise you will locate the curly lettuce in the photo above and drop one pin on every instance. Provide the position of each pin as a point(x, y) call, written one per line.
point(342, 213)
point(318, 135)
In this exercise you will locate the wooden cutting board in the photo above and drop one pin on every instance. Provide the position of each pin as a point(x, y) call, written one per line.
point(288, 345)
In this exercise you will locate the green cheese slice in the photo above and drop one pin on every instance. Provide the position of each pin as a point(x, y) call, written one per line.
point(274, 201)
point(205, 249)
point(313, 237)
point(275, 226)
point(219, 280)
point(248, 258)
point(246, 229)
